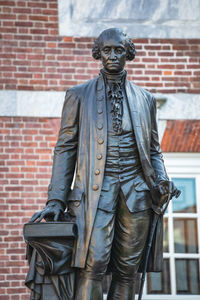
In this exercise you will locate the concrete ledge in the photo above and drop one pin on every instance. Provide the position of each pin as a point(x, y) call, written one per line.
point(179, 106)
point(31, 104)
point(49, 104)
point(140, 19)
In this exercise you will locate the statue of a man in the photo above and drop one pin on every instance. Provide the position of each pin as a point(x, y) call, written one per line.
point(109, 140)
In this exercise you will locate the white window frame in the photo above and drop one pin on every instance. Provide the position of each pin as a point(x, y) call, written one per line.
point(181, 165)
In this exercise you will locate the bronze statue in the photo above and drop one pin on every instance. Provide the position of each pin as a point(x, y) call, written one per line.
point(109, 140)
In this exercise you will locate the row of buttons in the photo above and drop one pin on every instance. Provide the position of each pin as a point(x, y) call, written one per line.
point(99, 127)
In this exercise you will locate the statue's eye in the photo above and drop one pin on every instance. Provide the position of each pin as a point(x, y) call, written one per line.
point(106, 50)
point(119, 50)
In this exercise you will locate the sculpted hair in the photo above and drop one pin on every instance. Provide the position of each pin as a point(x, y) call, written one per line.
point(130, 47)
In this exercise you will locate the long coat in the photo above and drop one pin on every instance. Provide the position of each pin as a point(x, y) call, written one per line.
point(81, 146)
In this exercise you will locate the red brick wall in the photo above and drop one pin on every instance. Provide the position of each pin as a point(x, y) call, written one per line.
point(35, 57)
point(26, 148)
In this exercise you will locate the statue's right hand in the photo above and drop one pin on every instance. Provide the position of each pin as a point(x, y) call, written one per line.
point(52, 212)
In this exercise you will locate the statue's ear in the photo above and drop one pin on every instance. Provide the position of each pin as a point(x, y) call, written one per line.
point(129, 57)
point(130, 51)
point(96, 54)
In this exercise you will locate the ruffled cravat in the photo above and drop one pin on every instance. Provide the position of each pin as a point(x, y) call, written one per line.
point(114, 83)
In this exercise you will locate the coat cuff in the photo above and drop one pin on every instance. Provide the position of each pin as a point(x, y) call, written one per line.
point(57, 193)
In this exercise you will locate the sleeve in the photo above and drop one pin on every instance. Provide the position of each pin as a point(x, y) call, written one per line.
point(155, 150)
point(64, 160)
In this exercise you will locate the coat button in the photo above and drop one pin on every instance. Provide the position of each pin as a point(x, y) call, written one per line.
point(62, 187)
point(100, 110)
point(99, 156)
point(95, 187)
point(76, 203)
point(99, 85)
point(97, 172)
point(99, 126)
point(100, 98)
point(100, 141)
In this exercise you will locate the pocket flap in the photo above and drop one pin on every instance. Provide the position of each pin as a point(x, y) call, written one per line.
point(106, 186)
point(141, 187)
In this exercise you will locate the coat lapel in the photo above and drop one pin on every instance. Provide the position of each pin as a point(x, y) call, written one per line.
point(134, 103)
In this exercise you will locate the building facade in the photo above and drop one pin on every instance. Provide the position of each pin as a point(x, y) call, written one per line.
point(46, 49)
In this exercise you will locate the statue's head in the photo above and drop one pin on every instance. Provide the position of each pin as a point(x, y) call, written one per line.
point(113, 47)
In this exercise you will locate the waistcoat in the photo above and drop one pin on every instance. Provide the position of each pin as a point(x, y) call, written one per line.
point(123, 162)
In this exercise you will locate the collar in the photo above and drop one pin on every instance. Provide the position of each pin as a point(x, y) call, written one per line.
point(114, 77)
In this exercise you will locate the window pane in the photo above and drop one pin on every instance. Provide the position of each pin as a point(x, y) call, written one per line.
point(185, 235)
point(166, 236)
point(187, 276)
point(186, 202)
point(159, 283)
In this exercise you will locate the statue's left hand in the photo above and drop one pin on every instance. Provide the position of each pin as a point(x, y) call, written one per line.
point(168, 189)
point(51, 212)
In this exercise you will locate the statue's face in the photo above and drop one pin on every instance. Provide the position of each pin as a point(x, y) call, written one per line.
point(113, 52)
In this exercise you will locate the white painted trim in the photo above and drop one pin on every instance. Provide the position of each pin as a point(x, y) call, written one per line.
point(49, 104)
point(182, 163)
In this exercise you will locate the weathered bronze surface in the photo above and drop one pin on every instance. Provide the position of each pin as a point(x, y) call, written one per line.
point(109, 136)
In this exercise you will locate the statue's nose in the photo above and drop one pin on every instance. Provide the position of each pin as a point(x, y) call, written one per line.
point(112, 54)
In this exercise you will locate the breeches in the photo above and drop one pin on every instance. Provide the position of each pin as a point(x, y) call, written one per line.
point(118, 239)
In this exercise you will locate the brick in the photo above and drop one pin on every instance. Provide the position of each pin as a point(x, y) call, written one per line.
point(38, 18)
point(53, 5)
point(14, 188)
point(67, 39)
point(38, 31)
point(52, 45)
point(54, 76)
point(8, 23)
point(167, 72)
point(165, 66)
point(24, 24)
point(137, 66)
point(8, 3)
point(16, 290)
point(26, 88)
point(23, 37)
point(193, 66)
point(22, 10)
point(22, 17)
point(37, 4)
point(36, 56)
point(52, 51)
point(52, 26)
point(15, 175)
point(50, 12)
point(150, 60)
point(7, 16)
point(66, 58)
point(41, 82)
